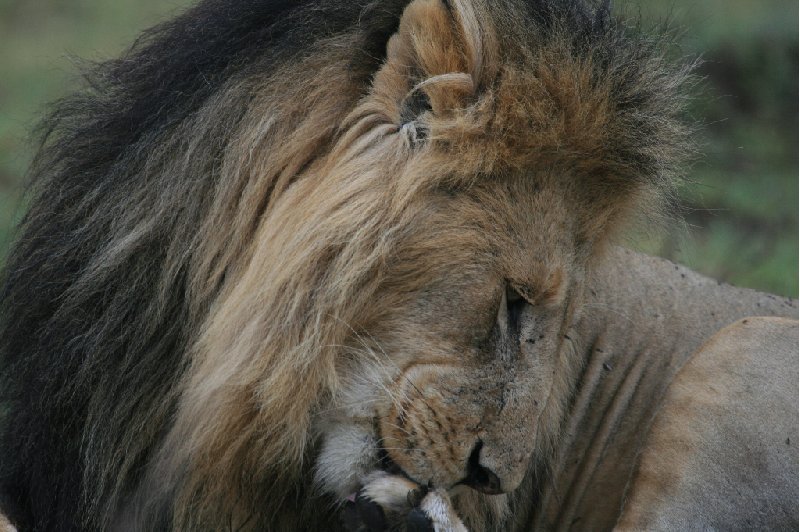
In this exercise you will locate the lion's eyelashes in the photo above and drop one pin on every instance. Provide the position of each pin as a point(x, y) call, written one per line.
point(515, 305)
point(509, 313)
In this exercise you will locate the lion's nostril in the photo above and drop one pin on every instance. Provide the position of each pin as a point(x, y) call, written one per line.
point(481, 478)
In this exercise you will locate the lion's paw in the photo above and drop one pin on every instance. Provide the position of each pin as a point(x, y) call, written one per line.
point(388, 502)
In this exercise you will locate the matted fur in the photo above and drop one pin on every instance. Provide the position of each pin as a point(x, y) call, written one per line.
point(214, 216)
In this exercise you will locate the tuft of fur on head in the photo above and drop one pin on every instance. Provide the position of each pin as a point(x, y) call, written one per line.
point(212, 216)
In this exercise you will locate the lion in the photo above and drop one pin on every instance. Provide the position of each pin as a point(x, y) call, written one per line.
point(352, 266)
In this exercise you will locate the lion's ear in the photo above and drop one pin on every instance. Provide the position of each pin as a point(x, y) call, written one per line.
point(437, 60)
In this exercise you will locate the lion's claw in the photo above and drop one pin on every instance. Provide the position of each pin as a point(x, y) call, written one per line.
point(363, 515)
point(388, 502)
point(415, 496)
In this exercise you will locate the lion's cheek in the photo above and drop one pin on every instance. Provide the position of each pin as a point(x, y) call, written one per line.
point(450, 425)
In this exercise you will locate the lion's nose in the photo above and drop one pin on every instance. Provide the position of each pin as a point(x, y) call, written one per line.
point(481, 478)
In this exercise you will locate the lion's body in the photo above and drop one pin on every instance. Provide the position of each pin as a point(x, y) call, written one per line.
point(722, 454)
point(285, 253)
point(644, 318)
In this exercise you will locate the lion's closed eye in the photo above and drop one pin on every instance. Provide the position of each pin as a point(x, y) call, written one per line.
point(509, 312)
point(515, 305)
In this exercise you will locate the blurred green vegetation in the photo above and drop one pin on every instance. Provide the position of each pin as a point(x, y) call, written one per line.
point(39, 41)
point(741, 196)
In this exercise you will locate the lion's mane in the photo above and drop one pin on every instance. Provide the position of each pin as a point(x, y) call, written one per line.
point(173, 304)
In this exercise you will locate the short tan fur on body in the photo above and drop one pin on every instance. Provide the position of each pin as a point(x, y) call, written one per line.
point(381, 279)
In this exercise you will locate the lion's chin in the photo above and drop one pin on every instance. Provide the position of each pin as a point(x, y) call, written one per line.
point(347, 458)
point(351, 461)
point(371, 489)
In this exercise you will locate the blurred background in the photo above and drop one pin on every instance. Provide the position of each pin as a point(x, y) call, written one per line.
point(741, 195)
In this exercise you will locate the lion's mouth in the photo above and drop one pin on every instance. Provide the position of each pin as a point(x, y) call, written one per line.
point(477, 478)
point(388, 465)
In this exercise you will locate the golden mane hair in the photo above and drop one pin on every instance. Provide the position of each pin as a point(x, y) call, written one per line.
point(212, 217)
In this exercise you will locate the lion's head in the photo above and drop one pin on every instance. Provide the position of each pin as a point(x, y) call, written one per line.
point(351, 247)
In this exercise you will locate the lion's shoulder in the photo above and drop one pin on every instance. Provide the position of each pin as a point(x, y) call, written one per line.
point(725, 440)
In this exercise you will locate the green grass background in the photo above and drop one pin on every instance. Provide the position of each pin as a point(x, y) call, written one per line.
point(740, 197)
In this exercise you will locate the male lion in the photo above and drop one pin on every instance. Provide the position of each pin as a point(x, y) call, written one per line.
point(346, 265)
